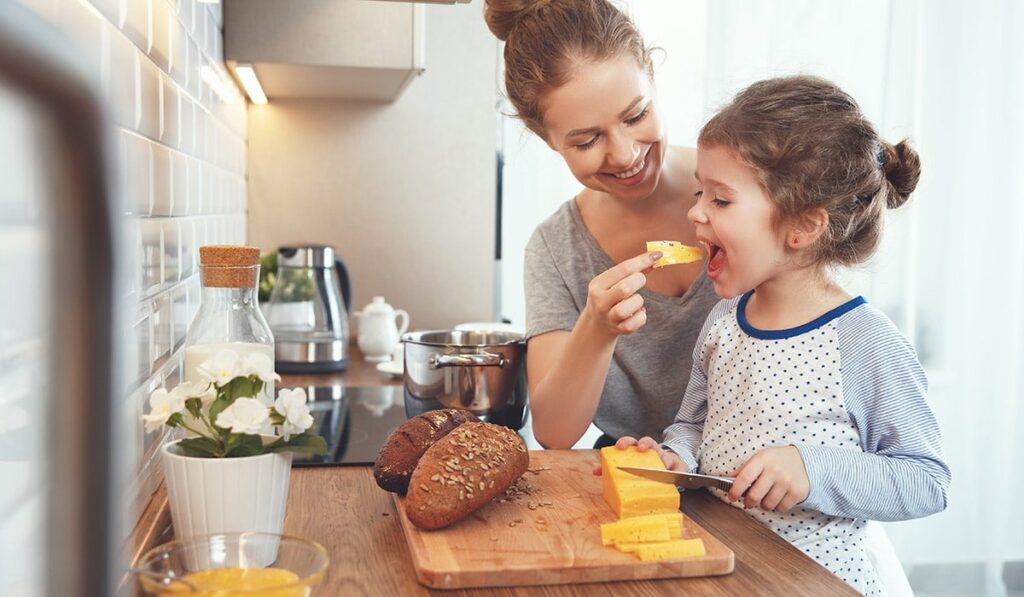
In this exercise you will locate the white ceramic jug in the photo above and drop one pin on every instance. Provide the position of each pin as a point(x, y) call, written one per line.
point(379, 331)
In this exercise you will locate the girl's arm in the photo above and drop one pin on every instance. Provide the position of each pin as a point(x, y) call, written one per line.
point(901, 473)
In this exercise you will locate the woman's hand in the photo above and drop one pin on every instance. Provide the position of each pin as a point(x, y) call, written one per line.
point(773, 479)
point(612, 300)
point(671, 461)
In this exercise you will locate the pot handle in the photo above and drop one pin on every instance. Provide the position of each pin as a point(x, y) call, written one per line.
point(483, 359)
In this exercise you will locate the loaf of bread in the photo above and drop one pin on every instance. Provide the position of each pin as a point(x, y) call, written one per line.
point(462, 472)
point(407, 443)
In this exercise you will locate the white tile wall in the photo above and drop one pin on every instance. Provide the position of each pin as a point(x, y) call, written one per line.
point(179, 151)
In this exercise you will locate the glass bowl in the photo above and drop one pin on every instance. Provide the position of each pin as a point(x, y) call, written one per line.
point(229, 564)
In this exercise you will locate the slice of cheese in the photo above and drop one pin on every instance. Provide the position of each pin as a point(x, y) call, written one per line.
point(653, 527)
point(674, 252)
point(680, 548)
point(630, 495)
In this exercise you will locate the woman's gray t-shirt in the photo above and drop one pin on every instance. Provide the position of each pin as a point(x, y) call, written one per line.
point(650, 367)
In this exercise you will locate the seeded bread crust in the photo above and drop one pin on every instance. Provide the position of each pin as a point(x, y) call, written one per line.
point(462, 472)
point(398, 456)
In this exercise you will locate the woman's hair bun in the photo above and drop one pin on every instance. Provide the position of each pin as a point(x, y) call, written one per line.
point(502, 15)
point(902, 170)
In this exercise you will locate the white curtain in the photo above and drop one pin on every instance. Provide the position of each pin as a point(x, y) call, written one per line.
point(949, 75)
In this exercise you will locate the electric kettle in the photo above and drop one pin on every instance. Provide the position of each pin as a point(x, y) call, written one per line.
point(308, 310)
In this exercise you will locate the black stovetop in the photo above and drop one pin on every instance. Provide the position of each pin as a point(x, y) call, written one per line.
point(355, 421)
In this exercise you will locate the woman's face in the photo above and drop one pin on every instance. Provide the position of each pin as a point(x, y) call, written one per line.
point(603, 122)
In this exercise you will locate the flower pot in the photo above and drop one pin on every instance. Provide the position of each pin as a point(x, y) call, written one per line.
point(226, 495)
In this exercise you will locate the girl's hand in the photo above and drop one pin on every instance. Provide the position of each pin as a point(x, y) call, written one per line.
point(612, 300)
point(671, 461)
point(773, 479)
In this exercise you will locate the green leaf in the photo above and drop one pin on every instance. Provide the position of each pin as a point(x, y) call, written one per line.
point(241, 387)
point(201, 447)
point(218, 407)
point(306, 443)
point(174, 420)
point(246, 445)
point(194, 406)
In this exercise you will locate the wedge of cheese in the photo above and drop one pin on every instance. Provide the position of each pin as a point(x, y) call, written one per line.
point(653, 527)
point(630, 495)
point(639, 529)
point(674, 252)
point(670, 550)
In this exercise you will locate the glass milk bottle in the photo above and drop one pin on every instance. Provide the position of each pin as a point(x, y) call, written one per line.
point(229, 316)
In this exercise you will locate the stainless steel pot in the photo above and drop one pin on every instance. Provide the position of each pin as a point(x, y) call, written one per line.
point(481, 371)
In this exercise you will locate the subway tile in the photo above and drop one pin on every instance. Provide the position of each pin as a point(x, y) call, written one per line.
point(199, 23)
point(211, 202)
point(137, 174)
point(179, 183)
point(179, 53)
point(120, 79)
point(179, 314)
point(163, 331)
point(200, 137)
point(195, 73)
point(186, 13)
point(189, 248)
point(172, 250)
point(111, 9)
point(149, 98)
point(152, 257)
point(187, 127)
point(217, 10)
point(195, 187)
point(195, 292)
point(142, 338)
point(170, 131)
point(162, 199)
point(135, 22)
point(161, 19)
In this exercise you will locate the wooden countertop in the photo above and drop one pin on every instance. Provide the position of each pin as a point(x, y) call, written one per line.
point(344, 510)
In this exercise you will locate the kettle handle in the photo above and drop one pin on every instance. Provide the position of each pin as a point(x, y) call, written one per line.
point(346, 286)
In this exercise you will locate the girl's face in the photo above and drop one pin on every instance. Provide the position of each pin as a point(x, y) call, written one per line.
point(733, 217)
point(604, 124)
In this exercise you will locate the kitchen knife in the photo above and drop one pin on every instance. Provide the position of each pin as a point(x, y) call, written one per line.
point(684, 480)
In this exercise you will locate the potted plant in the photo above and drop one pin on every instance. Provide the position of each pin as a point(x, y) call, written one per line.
point(231, 471)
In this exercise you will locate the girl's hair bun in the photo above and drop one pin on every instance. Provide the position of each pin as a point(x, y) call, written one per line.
point(902, 170)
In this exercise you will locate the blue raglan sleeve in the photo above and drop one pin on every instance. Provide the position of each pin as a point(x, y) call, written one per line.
point(901, 472)
point(684, 435)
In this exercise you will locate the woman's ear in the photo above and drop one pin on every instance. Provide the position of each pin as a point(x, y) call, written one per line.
point(807, 229)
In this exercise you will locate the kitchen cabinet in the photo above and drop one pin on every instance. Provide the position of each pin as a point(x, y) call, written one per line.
point(338, 49)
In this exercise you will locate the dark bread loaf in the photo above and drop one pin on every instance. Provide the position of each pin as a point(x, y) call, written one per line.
point(462, 472)
point(402, 450)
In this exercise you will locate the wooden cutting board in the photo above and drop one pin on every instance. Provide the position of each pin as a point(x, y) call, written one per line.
point(550, 535)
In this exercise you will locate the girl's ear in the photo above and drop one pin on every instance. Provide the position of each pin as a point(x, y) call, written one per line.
point(807, 229)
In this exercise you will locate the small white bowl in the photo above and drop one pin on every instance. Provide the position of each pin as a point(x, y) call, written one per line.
point(392, 368)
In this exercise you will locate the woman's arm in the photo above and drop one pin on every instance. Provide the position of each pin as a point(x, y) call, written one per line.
point(567, 370)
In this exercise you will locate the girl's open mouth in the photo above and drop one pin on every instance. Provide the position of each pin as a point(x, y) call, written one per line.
point(716, 259)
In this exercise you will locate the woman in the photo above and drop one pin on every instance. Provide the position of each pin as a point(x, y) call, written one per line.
point(610, 340)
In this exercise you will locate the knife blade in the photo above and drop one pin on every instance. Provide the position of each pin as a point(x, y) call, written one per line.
point(684, 480)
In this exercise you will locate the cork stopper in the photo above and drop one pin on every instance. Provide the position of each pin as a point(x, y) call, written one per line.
point(229, 266)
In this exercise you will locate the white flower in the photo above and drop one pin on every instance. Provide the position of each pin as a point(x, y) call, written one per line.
point(202, 390)
point(261, 366)
point(245, 415)
point(162, 404)
point(222, 368)
point(291, 404)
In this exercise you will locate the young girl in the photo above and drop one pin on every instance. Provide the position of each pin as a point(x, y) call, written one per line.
point(808, 396)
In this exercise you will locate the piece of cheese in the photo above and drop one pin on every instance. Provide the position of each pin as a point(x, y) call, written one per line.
point(674, 252)
point(680, 548)
point(630, 495)
point(653, 527)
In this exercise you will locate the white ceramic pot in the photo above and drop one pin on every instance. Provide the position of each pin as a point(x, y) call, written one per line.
point(225, 495)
